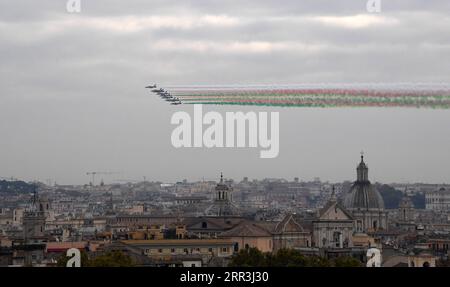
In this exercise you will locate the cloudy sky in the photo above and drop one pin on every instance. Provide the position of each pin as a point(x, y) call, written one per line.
point(72, 97)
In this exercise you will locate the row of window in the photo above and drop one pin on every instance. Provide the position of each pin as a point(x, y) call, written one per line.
point(184, 250)
point(439, 200)
point(443, 246)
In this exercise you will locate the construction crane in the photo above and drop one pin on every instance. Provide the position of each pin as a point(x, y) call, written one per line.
point(94, 173)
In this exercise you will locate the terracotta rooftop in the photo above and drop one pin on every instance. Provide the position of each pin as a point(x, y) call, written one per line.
point(247, 229)
point(176, 242)
point(62, 246)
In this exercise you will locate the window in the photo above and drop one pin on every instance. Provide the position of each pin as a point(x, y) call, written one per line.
point(337, 239)
point(172, 250)
point(204, 224)
point(224, 249)
point(359, 225)
point(345, 243)
point(160, 250)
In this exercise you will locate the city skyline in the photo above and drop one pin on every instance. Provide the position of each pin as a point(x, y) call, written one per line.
point(224, 134)
point(106, 177)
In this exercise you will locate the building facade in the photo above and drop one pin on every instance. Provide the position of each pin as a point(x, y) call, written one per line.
point(334, 226)
point(438, 200)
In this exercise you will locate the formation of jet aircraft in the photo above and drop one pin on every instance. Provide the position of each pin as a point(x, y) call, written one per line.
point(165, 95)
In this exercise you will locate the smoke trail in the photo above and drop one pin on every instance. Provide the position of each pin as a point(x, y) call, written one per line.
point(318, 95)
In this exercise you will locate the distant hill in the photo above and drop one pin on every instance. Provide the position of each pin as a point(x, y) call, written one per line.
point(15, 187)
point(392, 197)
point(419, 201)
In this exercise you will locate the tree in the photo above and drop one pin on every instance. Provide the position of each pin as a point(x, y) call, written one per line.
point(391, 196)
point(418, 200)
point(287, 258)
point(317, 261)
point(347, 261)
point(108, 259)
point(15, 187)
point(249, 257)
point(112, 259)
point(252, 257)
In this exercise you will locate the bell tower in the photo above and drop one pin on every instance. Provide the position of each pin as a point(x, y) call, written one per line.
point(406, 208)
point(362, 172)
point(34, 219)
point(223, 201)
point(223, 192)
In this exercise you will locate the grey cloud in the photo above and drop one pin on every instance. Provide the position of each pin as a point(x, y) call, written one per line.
point(72, 96)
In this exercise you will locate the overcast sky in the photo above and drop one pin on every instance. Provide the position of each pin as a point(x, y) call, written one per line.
point(72, 97)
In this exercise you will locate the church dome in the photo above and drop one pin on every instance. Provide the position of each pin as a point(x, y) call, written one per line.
point(362, 194)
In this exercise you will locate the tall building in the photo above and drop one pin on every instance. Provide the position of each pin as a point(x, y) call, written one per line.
point(365, 202)
point(34, 220)
point(223, 201)
point(406, 209)
point(29, 251)
point(438, 200)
